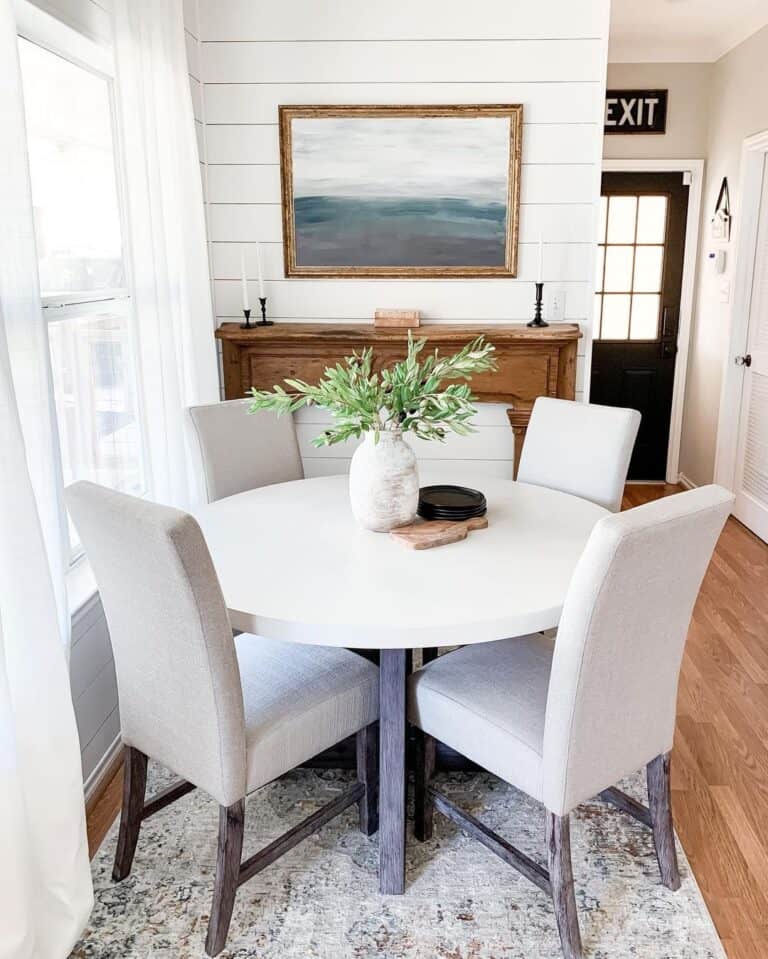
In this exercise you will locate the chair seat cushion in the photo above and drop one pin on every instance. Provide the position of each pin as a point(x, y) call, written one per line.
point(488, 702)
point(300, 700)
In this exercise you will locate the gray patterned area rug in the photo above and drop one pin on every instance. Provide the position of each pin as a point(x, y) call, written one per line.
point(321, 901)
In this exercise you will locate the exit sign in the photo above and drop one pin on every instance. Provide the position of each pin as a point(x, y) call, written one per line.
point(635, 111)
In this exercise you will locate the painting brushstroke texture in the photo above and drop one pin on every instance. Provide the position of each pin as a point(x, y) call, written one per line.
point(420, 193)
point(400, 191)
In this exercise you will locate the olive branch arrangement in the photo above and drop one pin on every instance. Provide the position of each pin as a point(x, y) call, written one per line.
point(405, 397)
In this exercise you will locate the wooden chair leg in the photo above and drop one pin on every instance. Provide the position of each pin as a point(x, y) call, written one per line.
point(231, 828)
point(367, 747)
point(561, 878)
point(426, 750)
point(134, 789)
point(660, 803)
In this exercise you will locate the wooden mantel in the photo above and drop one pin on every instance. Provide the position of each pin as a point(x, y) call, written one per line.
point(532, 362)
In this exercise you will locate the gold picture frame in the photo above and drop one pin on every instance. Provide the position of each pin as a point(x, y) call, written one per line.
point(335, 227)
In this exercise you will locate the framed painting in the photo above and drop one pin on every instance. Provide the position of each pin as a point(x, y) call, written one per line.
point(398, 191)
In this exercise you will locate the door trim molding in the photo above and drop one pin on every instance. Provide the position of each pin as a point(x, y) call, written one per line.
point(690, 254)
point(753, 152)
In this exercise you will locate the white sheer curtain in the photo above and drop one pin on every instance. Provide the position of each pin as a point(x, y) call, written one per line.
point(172, 298)
point(45, 885)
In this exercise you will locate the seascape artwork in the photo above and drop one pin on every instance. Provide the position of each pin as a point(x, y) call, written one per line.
point(421, 194)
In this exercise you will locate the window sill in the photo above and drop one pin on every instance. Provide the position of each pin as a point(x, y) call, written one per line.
point(81, 588)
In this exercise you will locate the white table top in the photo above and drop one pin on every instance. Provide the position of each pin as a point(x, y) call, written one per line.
point(294, 565)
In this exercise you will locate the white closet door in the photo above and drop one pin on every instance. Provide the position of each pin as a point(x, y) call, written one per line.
point(752, 457)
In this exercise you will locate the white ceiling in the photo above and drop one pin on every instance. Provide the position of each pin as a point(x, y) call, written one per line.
point(653, 31)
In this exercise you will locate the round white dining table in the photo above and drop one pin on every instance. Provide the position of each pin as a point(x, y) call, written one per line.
point(294, 565)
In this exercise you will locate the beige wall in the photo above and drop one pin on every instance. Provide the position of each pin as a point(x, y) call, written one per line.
point(687, 112)
point(713, 107)
point(739, 108)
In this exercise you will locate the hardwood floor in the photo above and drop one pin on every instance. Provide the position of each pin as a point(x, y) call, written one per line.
point(720, 760)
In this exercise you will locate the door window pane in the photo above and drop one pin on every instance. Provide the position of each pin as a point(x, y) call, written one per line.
point(615, 325)
point(630, 261)
point(618, 269)
point(652, 219)
point(598, 311)
point(621, 219)
point(645, 317)
point(72, 168)
point(648, 261)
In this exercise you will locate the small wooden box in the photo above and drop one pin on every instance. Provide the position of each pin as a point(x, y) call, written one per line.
point(405, 319)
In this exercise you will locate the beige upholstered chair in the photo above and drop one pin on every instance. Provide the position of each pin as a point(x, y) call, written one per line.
point(242, 451)
point(565, 721)
point(579, 448)
point(228, 715)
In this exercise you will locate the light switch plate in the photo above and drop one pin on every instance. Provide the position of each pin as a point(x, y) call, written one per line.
point(555, 306)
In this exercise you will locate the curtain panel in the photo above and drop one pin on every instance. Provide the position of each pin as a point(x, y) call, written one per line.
point(167, 239)
point(45, 884)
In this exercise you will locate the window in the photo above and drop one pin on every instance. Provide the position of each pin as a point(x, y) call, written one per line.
point(630, 259)
point(82, 270)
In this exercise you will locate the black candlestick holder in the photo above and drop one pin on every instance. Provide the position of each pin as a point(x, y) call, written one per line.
point(537, 320)
point(247, 325)
point(264, 320)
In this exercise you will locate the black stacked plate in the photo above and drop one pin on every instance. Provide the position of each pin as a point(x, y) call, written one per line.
point(450, 502)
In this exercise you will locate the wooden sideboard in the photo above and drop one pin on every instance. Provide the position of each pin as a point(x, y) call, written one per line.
point(531, 362)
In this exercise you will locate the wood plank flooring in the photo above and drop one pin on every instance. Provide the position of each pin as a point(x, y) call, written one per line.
point(720, 761)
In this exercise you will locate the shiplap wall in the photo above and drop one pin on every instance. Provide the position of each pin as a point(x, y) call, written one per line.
point(549, 56)
point(94, 688)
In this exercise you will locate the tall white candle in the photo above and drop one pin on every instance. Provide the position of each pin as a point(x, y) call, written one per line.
point(262, 294)
point(540, 272)
point(244, 282)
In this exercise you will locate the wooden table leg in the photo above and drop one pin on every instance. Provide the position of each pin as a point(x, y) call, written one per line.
point(392, 771)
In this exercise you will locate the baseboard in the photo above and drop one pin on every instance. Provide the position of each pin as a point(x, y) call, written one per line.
point(683, 480)
point(102, 774)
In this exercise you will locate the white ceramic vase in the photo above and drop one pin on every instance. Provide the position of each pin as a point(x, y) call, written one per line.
point(384, 482)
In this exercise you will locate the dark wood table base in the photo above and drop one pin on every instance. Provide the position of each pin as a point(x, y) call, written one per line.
point(397, 755)
point(392, 724)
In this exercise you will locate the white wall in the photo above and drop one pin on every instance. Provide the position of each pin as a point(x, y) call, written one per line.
point(548, 56)
point(713, 107)
point(738, 108)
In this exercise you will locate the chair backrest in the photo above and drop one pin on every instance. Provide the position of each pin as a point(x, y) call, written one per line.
point(242, 451)
point(619, 647)
point(178, 681)
point(579, 448)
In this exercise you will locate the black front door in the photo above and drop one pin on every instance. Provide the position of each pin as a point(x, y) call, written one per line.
point(637, 308)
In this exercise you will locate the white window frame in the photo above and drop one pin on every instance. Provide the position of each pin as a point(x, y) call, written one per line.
point(44, 30)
